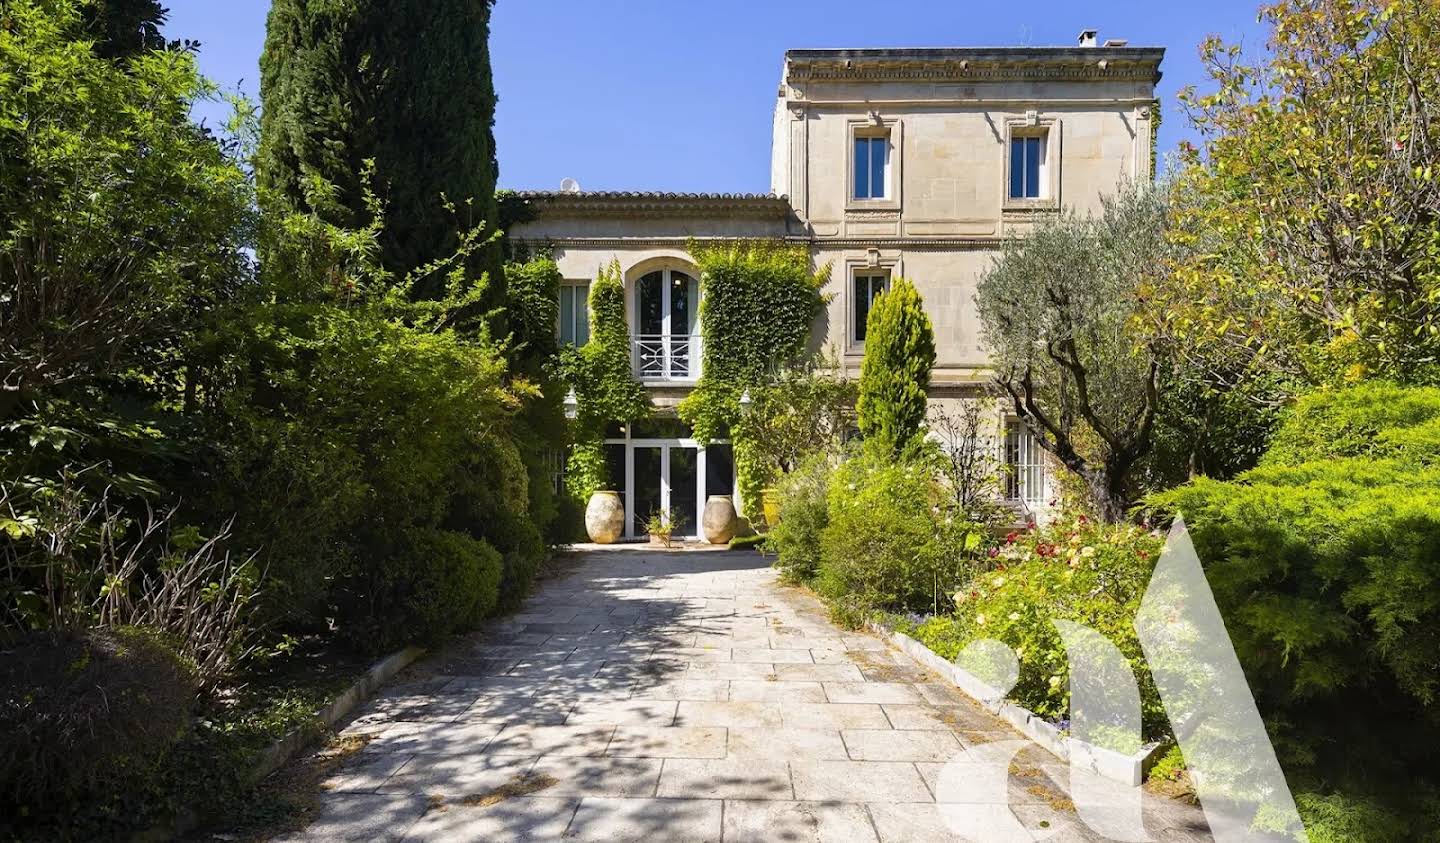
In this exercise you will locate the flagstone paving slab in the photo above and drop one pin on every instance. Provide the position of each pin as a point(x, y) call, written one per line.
point(681, 697)
point(796, 822)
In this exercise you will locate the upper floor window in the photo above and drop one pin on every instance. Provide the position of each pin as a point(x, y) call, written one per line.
point(574, 314)
point(872, 166)
point(1028, 167)
point(868, 287)
point(667, 312)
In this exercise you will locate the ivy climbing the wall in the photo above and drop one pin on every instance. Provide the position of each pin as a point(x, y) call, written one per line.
point(758, 302)
point(604, 384)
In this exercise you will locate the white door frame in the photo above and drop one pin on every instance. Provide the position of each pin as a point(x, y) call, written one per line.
point(664, 445)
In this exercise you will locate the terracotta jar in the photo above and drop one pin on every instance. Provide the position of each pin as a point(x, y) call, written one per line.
point(605, 517)
point(719, 520)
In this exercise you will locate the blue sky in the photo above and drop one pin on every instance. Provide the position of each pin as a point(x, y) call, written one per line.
point(677, 94)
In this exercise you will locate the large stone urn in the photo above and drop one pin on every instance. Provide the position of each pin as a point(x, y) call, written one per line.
point(605, 517)
point(720, 520)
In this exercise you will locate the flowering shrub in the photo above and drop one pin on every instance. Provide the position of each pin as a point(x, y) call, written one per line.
point(1080, 570)
point(890, 542)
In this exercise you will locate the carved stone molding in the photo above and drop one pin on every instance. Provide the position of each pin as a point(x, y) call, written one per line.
point(657, 204)
point(871, 215)
point(962, 64)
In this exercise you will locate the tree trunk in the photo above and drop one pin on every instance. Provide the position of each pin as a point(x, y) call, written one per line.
point(1110, 504)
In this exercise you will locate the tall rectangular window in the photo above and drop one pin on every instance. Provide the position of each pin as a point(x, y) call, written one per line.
point(868, 286)
point(574, 314)
point(1027, 167)
point(872, 166)
point(1024, 465)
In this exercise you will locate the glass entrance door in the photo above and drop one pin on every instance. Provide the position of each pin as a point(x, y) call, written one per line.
point(683, 472)
point(649, 495)
point(667, 477)
point(656, 465)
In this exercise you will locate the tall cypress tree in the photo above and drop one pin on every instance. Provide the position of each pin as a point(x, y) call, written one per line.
point(895, 374)
point(405, 83)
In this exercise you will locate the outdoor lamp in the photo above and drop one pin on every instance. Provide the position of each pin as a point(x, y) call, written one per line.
point(572, 405)
point(746, 402)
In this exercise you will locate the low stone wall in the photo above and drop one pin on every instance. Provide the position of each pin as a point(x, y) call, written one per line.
point(1116, 766)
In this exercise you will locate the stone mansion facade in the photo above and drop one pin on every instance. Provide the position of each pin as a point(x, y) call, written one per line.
point(886, 163)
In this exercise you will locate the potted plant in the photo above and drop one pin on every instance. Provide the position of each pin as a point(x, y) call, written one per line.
point(661, 526)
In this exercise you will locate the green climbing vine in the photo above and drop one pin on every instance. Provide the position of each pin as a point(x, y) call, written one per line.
point(604, 384)
point(758, 301)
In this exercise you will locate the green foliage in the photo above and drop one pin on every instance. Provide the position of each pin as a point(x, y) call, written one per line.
point(347, 83)
point(1207, 428)
point(533, 287)
point(340, 431)
point(533, 305)
point(495, 500)
point(758, 542)
point(1082, 571)
point(1170, 767)
point(1060, 309)
point(1337, 818)
point(804, 513)
point(126, 28)
point(1375, 420)
point(895, 375)
point(1325, 561)
point(660, 524)
point(758, 302)
point(604, 382)
point(438, 583)
point(86, 722)
point(359, 421)
point(806, 408)
point(888, 542)
point(120, 223)
point(1311, 211)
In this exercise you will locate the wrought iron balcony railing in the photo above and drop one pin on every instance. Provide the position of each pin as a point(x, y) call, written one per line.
point(666, 358)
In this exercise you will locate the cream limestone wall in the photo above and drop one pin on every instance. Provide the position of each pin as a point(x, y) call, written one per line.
point(950, 115)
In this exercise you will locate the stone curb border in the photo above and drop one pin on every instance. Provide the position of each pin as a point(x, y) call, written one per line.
point(274, 757)
point(1116, 766)
point(283, 749)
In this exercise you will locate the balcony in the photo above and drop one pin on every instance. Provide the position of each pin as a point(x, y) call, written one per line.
point(666, 358)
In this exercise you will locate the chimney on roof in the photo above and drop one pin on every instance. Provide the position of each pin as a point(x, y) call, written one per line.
point(1088, 36)
point(1115, 42)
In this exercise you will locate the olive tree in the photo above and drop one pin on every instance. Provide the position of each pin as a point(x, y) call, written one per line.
point(1058, 308)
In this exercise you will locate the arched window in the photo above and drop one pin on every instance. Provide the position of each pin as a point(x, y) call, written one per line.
point(667, 341)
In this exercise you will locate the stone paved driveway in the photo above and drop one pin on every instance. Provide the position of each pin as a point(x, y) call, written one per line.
point(677, 696)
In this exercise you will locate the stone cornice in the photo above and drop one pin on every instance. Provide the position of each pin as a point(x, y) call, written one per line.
point(975, 64)
point(656, 204)
point(934, 244)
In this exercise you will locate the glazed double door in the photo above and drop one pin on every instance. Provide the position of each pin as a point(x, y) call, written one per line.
point(667, 478)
